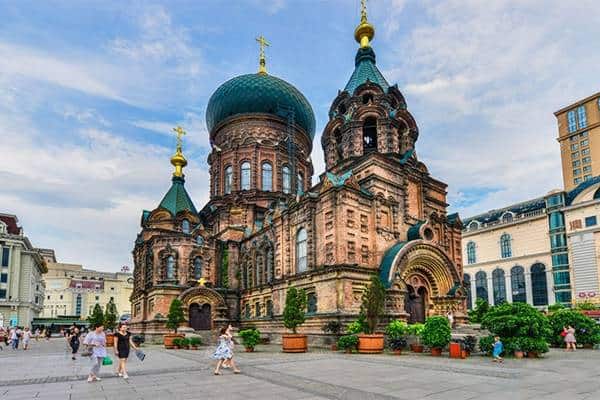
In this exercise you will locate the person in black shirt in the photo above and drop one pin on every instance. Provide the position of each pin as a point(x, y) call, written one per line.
point(123, 345)
point(74, 342)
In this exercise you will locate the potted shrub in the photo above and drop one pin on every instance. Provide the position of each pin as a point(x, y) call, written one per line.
point(348, 343)
point(416, 330)
point(396, 332)
point(294, 316)
point(333, 328)
point(436, 334)
point(110, 322)
point(250, 338)
point(469, 342)
point(517, 351)
point(178, 343)
point(194, 342)
point(373, 303)
point(174, 319)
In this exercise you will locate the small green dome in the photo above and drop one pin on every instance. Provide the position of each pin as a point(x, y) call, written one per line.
point(258, 93)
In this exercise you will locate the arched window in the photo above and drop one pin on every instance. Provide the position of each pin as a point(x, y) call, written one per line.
point(473, 225)
point(370, 135)
point(517, 283)
point(185, 226)
point(301, 250)
point(499, 284)
point(245, 176)
point(481, 285)
point(270, 264)
point(300, 184)
point(170, 267)
point(539, 284)
point(260, 268)
point(267, 177)
point(505, 247)
point(507, 217)
point(471, 258)
point(197, 268)
point(228, 179)
point(200, 241)
point(467, 284)
point(286, 179)
point(311, 303)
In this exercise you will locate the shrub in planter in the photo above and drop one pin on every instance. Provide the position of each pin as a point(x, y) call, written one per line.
point(195, 342)
point(334, 328)
point(416, 330)
point(396, 332)
point(294, 316)
point(486, 344)
point(514, 322)
point(587, 331)
point(437, 333)
point(250, 338)
point(348, 343)
point(174, 319)
point(373, 304)
point(397, 344)
point(357, 326)
point(179, 343)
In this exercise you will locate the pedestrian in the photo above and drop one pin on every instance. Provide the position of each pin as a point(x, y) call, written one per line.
point(97, 340)
point(14, 337)
point(26, 338)
point(227, 364)
point(48, 334)
point(450, 317)
point(223, 352)
point(569, 334)
point(124, 344)
point(74, 342)
point(37, 334)
point(498, 349)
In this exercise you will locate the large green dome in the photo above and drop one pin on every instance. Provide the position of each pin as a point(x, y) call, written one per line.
point(258, 93)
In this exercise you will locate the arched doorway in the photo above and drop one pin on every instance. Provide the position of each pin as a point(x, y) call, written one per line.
point(416, 303)
point(200, 318)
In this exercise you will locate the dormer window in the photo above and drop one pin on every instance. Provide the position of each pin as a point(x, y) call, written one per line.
point(507, 217)
point(473, 225)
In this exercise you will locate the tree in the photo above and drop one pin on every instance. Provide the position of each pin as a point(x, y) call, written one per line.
point(586, 329)
point(373, 304)
point(110, 315)
point(481, 308)
point(96, 317)
point(175, 316)
point(295, 306)
point(437, 332)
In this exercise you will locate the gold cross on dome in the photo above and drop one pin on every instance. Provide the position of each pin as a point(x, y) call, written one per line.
point(179, 132)
point(363, 10)
point(262, 42)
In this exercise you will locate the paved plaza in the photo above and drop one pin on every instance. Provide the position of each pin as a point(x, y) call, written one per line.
point(47, 372)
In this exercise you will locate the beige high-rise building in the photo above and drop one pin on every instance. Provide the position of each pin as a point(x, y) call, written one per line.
point(579, 138)
point(72, 290)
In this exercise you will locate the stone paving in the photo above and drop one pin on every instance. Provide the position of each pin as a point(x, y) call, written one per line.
point(47, 372)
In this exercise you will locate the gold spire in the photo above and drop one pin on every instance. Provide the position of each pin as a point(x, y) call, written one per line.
point(178, 160)
point(364, 32)
point(262, 64)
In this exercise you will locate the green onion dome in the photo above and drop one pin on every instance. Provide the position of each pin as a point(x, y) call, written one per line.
point(259, 93)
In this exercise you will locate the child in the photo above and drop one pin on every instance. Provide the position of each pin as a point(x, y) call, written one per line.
point(224, 352)
point(498, 349)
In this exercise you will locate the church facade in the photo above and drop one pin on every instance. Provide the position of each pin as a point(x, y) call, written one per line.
point(267, 227)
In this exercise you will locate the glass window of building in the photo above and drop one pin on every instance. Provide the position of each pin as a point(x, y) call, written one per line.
point(574, 146)
point(587, 168)
point(300, 189)
point(586, 160)
point(574, 138)
point(584, 142)
point(575, 155)
point(499, 284)
point(467, 286)
point(505, 246)
point(4, 279)
point(585, 152)
point(481, 285)
point(572, 122)
point(556, 220)
point(590, 221)
point(473, 225)
point(587, 177)
point(170, 268)
point(311, 303)
point(517, 279)
point(5, 256)
point(286, 179)
point(577, 181)
point(197, 268)
point(584, 134)
point(576, 172)
point(245, 176)
point(185, 226)
point(301, 250)
point(539, 284)
point(581, 117)
point(471, 256)
point(576, 163)
point(507, 217)
point(267, 177)
point(228, 179)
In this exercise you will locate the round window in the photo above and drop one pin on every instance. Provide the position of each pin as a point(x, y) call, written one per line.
point(428, 234)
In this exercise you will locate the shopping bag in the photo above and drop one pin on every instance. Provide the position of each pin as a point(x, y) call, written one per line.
point(140, 355)
point(107, 361)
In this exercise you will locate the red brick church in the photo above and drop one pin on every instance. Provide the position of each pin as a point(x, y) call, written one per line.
point(267, 227)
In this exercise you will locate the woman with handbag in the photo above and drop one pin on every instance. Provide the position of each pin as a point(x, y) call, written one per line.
point(97, 340)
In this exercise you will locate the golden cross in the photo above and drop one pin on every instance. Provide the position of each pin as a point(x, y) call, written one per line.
point(262, 42)
point(363, 10)
point(201, 282)
point(179, 132)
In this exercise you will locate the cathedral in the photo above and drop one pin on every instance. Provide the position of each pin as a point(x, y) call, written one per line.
point(267, 227)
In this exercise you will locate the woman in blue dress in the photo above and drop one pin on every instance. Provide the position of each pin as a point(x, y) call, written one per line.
point(224, 352)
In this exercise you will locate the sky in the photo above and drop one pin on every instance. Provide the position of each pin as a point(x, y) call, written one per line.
point(89, 92)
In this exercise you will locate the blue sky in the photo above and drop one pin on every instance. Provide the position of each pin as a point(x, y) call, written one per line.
point(89, 92)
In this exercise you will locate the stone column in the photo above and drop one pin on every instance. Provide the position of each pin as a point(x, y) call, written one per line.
point(490, 284)
point(508, 287)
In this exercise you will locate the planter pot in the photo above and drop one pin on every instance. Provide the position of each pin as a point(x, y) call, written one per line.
point(370, 344)
point(194, 347)
point(532, 354)
point(397, 352)
point(176, 347)
point(168, 339)
point(518, 354)
point(249, 349)
point(455, 350)
point(110, 340)
point(294, 343)
point(588, 346)
point(416, 348)
point(348, 351)
point(334, 347)
point(464, 354)
point(436, 351)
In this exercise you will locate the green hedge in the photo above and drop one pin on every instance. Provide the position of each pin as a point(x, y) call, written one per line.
point(586, 329)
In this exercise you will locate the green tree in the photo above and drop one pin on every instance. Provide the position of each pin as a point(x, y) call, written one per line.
point(110, 315)
point(96, 317)
point(175, 316)
point(437, 332)
point(586, 329)
point(373, 304)
point(481, 308)
point(295, 306)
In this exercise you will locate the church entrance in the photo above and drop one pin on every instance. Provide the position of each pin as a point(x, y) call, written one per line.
point(416, 303)
point(200, 317)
